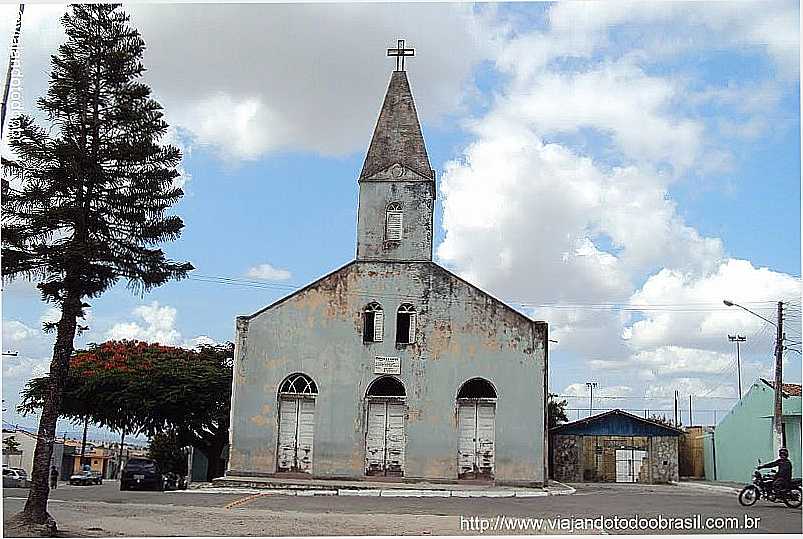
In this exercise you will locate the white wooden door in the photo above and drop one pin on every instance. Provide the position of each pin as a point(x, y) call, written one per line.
point(296, 435)
point(476, 439)
point(385, 439)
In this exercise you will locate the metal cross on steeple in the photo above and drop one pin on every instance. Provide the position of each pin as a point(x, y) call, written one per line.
point(400, 52)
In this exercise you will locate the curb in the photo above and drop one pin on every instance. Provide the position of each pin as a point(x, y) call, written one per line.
point(702, 486)
point(388, 493)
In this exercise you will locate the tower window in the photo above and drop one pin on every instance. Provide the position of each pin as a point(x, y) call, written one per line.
point(373, 323)
point(393, 222)
point(405, 324)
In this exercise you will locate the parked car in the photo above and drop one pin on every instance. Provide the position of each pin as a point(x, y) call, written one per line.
point(142, 473)
point(14, 478)
point(86, 477)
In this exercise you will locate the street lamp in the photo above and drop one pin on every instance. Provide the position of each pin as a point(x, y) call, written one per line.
point(732, 304)
point(777, 414)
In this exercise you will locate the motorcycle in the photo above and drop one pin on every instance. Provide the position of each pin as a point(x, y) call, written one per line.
point(763, 487)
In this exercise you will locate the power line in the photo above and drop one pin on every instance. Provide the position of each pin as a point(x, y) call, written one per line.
point(687, 307)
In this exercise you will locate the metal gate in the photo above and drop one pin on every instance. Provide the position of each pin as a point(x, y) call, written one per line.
point(385, 438)
point(475, 445)
point(296, 434)
point(628, 465)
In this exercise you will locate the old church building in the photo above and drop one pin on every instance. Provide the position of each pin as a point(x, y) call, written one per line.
point(391, 366)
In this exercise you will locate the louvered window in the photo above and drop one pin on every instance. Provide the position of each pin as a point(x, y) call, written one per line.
point(393, 222)
point(373, 323)
point(405, 324)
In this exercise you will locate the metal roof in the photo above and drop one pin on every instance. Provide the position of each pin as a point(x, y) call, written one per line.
point(616, 423)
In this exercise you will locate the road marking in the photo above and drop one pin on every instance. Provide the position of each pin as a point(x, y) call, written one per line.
point(242, 501)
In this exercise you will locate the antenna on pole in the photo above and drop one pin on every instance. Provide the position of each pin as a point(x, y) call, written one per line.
point(591, 386)
point(738, 339)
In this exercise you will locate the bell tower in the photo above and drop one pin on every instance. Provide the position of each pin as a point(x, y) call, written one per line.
point(397, 183)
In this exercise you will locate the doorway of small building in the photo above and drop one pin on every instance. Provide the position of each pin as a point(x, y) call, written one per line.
point(296, 424)
point(476, 426)
point(385, 437)
point(616, 459)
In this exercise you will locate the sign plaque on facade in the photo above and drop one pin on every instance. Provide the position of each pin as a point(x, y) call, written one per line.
point(387, 365)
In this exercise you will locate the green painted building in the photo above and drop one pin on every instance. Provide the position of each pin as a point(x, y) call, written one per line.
point(745, 434)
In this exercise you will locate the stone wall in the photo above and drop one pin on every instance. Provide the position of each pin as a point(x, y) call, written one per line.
point(567, 461)
point(664, 459)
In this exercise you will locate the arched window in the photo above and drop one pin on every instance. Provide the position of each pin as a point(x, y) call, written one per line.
point(393, 222)
point(373, 323)
point(386, 386)
point(405, 324)
point(476, 388)
point(298, 384)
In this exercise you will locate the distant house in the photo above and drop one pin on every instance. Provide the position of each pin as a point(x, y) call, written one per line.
point(614, 446)
point(98, 457)
point(23, 458)
point(745, 434)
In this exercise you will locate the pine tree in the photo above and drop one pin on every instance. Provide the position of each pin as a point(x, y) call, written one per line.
point(85, 200)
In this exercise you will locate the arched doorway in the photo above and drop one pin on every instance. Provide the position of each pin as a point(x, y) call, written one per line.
point(476, 418)
point(296, 423)
point(385, 437)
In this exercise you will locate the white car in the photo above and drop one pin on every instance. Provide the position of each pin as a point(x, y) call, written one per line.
point(15, 478)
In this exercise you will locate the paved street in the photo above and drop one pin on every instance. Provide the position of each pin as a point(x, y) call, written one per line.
point(104, 511)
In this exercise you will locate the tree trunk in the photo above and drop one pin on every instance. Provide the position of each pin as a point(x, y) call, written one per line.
point(35, 510)
point(214, 467)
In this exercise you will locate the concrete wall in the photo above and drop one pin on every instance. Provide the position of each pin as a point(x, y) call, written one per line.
point(417, 198)
point(745, 434)
point(462, 333)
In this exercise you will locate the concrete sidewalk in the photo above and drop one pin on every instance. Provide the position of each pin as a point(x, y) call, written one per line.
point(326, 487)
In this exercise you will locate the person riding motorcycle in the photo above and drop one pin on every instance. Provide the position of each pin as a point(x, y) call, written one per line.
point(783, 476)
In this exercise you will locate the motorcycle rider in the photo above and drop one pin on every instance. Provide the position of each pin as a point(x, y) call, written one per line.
point(783, 476)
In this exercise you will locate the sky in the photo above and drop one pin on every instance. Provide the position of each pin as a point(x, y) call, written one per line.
point(616, 169)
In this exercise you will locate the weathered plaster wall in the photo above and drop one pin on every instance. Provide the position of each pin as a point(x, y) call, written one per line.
point(664, 459)
point(462, 333)
point(567, 458)
point(417, 198)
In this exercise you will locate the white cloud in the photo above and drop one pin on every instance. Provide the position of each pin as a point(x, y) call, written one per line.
point(310, 71)
point(564, 193)
point(736, 280)
point(195, 342)
point(268, 273)
point(158, 325)
point(617, 99)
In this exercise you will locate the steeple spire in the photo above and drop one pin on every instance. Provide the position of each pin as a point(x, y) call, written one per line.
point(397, 136)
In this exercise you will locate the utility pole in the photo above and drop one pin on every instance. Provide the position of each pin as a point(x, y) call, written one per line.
point(777, 416)
point(119, 471)
point(690, 415)
point(738, 339)
point(676, 407)
point(83, 443)
point(591, 386)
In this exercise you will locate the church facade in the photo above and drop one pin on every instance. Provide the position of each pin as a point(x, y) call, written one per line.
point(391, 366)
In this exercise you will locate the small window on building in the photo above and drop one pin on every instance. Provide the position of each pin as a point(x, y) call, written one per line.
point(393, 222)
point(405, 324)
point(373, 323)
